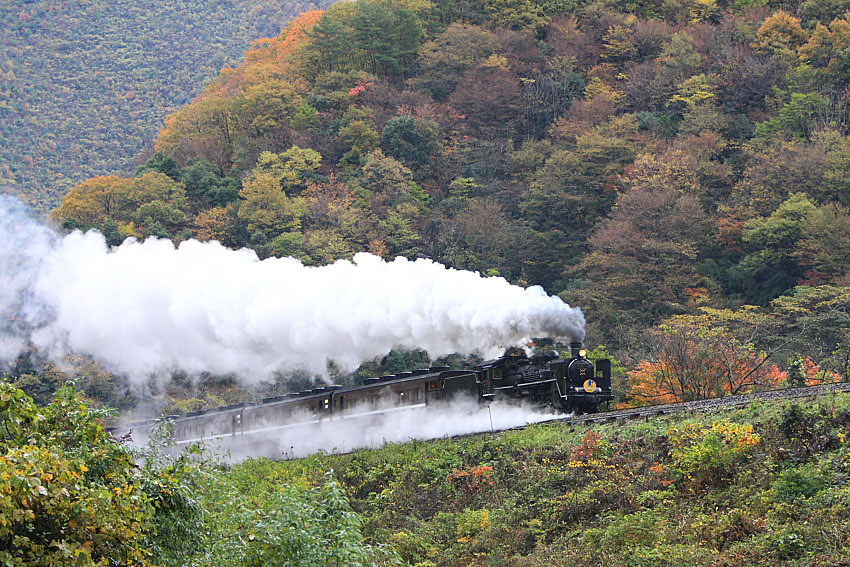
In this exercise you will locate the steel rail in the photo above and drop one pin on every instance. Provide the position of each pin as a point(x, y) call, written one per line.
point(707, 404)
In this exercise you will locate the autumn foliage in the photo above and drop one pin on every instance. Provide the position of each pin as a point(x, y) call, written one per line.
point(692, 363)
point(644, 162)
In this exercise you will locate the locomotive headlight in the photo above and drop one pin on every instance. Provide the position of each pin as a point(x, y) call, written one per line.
point(582, 353)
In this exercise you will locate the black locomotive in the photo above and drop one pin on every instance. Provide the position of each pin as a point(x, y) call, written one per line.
point(570, 385)
point(573, 384)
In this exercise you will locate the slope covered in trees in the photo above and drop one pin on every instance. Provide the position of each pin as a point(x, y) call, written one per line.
point(664, 165)
point(84, 85)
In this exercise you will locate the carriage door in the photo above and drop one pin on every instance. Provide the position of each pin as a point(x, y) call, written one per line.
point(237, 423)
point(485, 383)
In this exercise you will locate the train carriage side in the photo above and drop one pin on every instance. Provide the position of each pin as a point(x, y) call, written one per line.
point(379, 394)
point(407, 389)
point(212, 423)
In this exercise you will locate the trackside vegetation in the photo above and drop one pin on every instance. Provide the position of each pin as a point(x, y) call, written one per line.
point(765, 484)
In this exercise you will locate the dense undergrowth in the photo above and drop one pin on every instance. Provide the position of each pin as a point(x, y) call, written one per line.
point(764, 485)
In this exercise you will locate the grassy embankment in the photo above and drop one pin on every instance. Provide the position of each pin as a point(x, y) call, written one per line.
point(763, 485)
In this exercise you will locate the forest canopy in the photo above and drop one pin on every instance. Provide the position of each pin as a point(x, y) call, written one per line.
point(84, 85)
point(644, 160)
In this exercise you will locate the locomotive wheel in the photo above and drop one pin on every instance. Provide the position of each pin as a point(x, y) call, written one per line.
point(555, 398)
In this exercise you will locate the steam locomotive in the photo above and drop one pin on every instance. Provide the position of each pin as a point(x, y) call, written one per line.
point(573, 384)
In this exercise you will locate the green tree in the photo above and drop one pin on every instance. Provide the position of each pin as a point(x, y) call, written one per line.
point(304, 118)
point(824, 242)
point(266, 208)
point(517, 14)
point(330, 46)
point(411, 140)
point(444, 59)
point(399, 233)
point(798, 118)
point(161, 163)
point(823, 10)
point(205, 187)
point(324, 246)
point(358, 131)
point(267, 109)
point(389, 36)
point(73, 496)
point(154, 198)
point(678, 58)
point(298, 168)
point(770, 268)
point(835, 185)
point(796, 372)
point(389, 183)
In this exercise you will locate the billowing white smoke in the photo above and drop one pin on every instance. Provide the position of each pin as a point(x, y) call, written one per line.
point(23, 245)
point(148, 307)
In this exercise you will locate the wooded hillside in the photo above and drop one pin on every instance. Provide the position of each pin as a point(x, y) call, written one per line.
point(680, 168)
point(84, 84)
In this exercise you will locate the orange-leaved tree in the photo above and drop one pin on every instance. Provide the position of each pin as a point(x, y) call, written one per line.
point(260, 98)
point(692, 361)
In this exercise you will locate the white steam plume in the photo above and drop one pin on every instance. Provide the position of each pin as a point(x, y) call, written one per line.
point(460, 416)
point(23, 245)
point(148, 307)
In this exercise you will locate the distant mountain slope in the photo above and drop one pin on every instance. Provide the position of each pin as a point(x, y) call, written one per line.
point(84, 85)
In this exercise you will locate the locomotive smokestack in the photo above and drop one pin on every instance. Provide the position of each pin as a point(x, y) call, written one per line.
point(575, 346)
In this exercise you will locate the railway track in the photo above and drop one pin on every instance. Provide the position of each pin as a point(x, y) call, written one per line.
point(277, 451)
point(709, 404)
point(664, 409)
